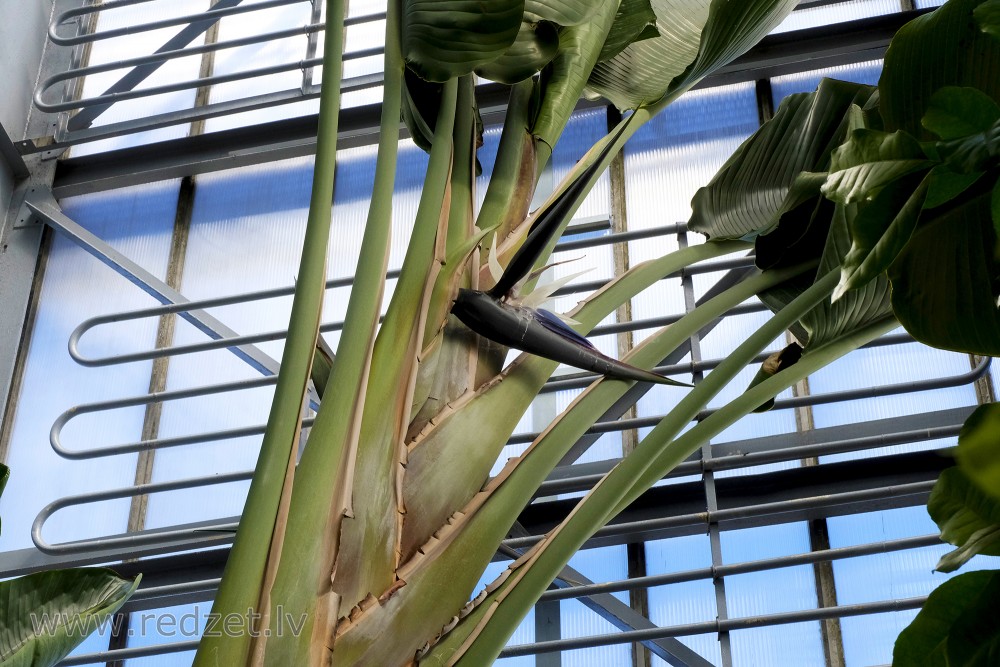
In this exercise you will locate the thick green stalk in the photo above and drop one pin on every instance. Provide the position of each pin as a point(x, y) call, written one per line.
point(366, 562)
point(243, 578)
point(629, 479)
point(463, 173)
point(512, 182)
point(321, 480)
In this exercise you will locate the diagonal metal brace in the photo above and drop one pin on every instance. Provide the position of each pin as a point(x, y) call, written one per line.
point(619, 614)
point(41, 202)
point(139, 73)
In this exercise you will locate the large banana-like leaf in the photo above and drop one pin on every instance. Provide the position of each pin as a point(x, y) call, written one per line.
point(968, 517)
point(634, 22)
point(44, 616)
point(978, 453)
point(562, 12)
point(534, 48)
point(444, 39)
point(770, 191)
point(959, 625)
point(944, 48)
point(829, 321)
point(564, 79)
point(944, 281)
point(745, 197)
point(988, 17)
point(695, 38)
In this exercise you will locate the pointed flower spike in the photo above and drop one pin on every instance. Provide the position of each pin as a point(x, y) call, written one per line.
point(495, 269)
point(537, 272)
point(542, 293)
point(542, 333)
point(548, 221)
point(568, 321)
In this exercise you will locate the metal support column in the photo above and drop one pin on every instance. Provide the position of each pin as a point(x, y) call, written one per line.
point(708, 480)
point(635, 551)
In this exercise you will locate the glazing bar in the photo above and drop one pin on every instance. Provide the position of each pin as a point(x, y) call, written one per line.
point(750, 511)
point(727, 625)
point(761, 565)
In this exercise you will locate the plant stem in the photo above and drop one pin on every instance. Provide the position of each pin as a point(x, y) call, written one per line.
point(240, 590)
point(323, 477)
point(512, 182)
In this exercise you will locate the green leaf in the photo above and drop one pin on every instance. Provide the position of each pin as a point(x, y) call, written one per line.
point(944, 289)
point(44, 616)
point(943, 48)
point(988, 17)
point(830, 321)
point(322, 365)
point(967, 517)
point(535, 47)
point(444, 39)
point(978, 450)
point(947, 184)
point(880, 230)
point(957, 111)
point(802, 225)
point(563, 81)
point(696, 37)
point(959, 625)
point(756, 184)
point(634, 22)
point(974, 153)
point(421, 102)
point(561, 12)
point(870, 160)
